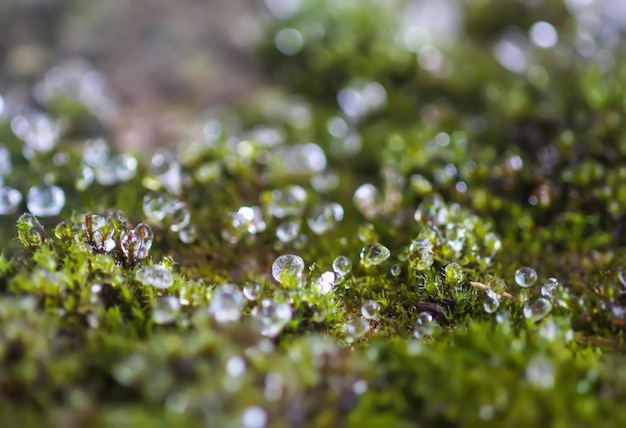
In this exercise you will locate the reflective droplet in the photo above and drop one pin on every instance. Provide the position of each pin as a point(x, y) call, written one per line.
point(254, 417)
point(31, 233)
point(288, 267)
point(165, 310)
point(84, 178)
point(395, 270)
point(289, 201)
point(96, 152)
point(324, 284)
point(421, 256)
point(374, 254)
point(525, 277)
point(45, 201)
point(356, 329)
point(188, 234)
point(453, 274)
point(271, 317)
point(323, 217)
point(124, 167)
point(146, 236)
point(537, 309)
point(367, 234)
point(342, 265)
point(10, 200)
point(492, 303)
point(370, 309)
point(226, 304)
point(252, 290)
point(287, 231)
point(155, 207)
point(549, 287)
point(425, 325)
point(367, 200)
point(157, 276)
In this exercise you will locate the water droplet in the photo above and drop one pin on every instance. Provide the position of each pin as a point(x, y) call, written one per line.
point(188, 234)
point(536, 310)
point(124, 167)
point(325, 216)
point(370, 309)
point(367, 200)
point(254, 417)
point(37, 130)
point(549, 287)
point(289, 201)
point(252, 290)
point(367, 234)
point(136, 243)
point(226, 304)
point(453, 274)
point(167, 170)
point(325, 182)
point(374, 254)
point(272, 316)
point(6, 166)
point(178, 215)
point(10, 199)
point(342, 265)
point(287, 231)
point(395, 270)
point(421, 256)
point(324, 284)
point(491, 304)
point(525, 277)
point(420, 185)
point(165, 310)
point(155, 206)
point(356, 329)
point(157, 276)
point(497, 285)
point(246, 221)
point(540, 372)
point(45, 201)
point(30, 232)
point(425, 325)
point(287, 268)
point(96, 152)
point(100, 232)
point(84, 178)
point(146, 237)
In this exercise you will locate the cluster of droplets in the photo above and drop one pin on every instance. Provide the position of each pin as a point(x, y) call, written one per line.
point(100, 165)
point(162, 209)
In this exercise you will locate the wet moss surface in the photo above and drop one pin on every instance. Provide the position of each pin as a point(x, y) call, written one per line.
point(420, 226)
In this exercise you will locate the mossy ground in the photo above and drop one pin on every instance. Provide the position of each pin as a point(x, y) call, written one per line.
point(474, 171)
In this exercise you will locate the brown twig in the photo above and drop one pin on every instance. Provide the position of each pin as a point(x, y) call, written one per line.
point(481, 286)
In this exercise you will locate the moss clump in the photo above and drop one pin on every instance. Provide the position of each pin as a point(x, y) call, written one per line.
point(346, 256)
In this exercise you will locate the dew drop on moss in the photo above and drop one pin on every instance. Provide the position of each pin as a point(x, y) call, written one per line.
point(525, 277)
point(226, 304)
point(30, 232)
point(271, 316)
point(374, 254)
point(288, 231)
point(155, 207)
point(157, 276)
point(252, 290)
point(342, 265)
point(289, 201)
point(356, 329)
point(324, 284)
point(10, 199)
point(254, 417)
point(287, 267)
point(367, 200)
point(45, 201)
point(425, 325)
point(325, 216)
point(492, 302)
point(188, 234)
point(370, 309)
point(537, 309)
point(165, 310)
point(395, 270)
point(421, 256)
point(549, 287)
point(453, 274)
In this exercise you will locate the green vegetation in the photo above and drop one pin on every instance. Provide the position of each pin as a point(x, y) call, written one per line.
point(421, 226)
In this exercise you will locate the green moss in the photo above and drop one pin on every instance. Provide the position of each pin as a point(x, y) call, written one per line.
point(465, 174)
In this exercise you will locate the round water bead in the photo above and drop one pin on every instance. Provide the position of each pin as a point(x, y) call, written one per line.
point(370, 309)
point(453, 274)
point(374, 254)
point(287, 267)
point(136, 243)
point(356, 329)
point(525, 277)
point(549, 287)
point(10, 199)
point(100, 232)
point(325, 216)
point(421, 256)
point(367, 234)
point(254, 417)
point(45, 201)
point(30, 232)
point(165, 310)
point(288, 231)
point(289, 201)
point(146, 237)
point(537, 309)
point(157, 276)
point(272, 316)
point(226, 304)
point(367, 200)
point(96, 152)
point(425, 325)
point(324, 284)
point(252, 290)
point(246, 221)
point(155, 206)
point(342, 265)
point(123, 166)
point(178, 215)
point(395, 270)
point(188, 234)
point(491, 304)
